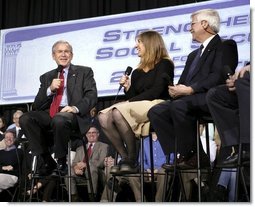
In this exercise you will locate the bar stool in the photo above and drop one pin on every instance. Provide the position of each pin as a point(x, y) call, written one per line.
point(141, 174)
point(205, 120)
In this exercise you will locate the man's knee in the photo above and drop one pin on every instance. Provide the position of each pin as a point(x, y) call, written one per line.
point(24, 119)
point(210, 94)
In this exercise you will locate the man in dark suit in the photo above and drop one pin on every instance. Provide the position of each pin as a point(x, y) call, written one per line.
point(229, 105)
point(75, 90)
point(176, 118)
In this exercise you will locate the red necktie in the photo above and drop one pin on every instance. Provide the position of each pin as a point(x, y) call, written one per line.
point(54, 107)
point(89, 152)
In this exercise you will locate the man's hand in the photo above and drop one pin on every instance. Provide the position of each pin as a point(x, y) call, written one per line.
point(79, 168)
point(55, 84)
point(238, 74)
point(69, 109)
point(7, 168)
point(108, 161)
point(179, 90)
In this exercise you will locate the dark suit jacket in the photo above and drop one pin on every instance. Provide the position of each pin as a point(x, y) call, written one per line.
point(81, 92)
point(208, 72)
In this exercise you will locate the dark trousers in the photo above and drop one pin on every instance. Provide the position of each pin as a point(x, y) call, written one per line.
point(38, 124)
point(177, 120)
point(231, 111)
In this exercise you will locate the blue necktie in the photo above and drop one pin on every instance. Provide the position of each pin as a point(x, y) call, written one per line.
point(194, 64)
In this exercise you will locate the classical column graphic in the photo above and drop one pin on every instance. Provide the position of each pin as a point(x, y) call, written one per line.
point(9, 69)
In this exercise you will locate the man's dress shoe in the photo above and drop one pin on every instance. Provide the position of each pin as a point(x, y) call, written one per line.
point(232, 159)
point(189, 162)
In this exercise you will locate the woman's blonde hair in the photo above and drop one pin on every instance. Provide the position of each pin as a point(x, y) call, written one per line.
point(155, 49)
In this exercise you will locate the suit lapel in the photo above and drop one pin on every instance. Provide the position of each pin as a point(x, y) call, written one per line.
point(71, 80)
point(95, 148)
point(210, 47)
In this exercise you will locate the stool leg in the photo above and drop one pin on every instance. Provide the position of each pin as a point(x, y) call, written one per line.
point(244, 185)
point(142, 168)
point(89, 172)
point(198, 162)
point(33, 171)
point(152, 168)
point(69, 171)
point(114, 177)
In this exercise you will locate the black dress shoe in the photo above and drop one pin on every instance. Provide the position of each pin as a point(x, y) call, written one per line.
point(128, 166)
point(189, 162)
point(232, 160)
point(128, 169)
point(170, 167)
point(62, 169)
point(219, 194)
point(45, 166)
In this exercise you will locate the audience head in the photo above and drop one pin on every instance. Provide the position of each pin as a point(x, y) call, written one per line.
point(2, 124)
point(16, 117)
point(62, 53)
point(151, 49)
point(9, 138)
point(92, 134)
point(204, 23)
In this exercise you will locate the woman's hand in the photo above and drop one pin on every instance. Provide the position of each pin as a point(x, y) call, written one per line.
point(125, 82)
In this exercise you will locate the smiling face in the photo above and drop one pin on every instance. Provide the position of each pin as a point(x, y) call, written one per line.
point(9, 139)
point(140, 47)
point(196, 29)
point(62, 54)
point(92, 135)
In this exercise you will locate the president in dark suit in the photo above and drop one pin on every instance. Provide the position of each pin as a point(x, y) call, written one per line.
point(62, 105)
point(176, 118)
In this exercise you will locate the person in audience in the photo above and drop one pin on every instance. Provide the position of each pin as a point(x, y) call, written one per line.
point(16, 126)
point(97, 151)
point(62, 105)
point(159, 159)
point(231, 100)
point(125, 121)
point(10, 161)
point(2, 127)
point(176, 118)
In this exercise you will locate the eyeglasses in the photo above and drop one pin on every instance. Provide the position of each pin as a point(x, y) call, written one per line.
point(63, 51)
point(192, 23)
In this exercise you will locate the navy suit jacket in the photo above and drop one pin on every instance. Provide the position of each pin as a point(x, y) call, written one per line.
point(81, 92)
point(208, 72)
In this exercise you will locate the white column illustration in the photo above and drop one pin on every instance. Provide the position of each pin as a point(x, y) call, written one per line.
point(9, 69)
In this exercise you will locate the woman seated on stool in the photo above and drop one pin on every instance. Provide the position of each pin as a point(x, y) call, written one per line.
point(125, 121)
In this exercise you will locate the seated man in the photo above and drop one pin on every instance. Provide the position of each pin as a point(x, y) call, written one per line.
point(10, 161)
point(97, 152)
point(231, 100)
point(61, 106)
